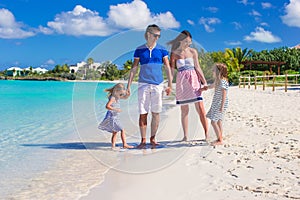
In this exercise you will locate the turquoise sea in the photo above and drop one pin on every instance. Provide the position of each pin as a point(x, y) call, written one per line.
point(35, 114)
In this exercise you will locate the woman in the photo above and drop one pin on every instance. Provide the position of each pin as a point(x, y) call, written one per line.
point(188, 80)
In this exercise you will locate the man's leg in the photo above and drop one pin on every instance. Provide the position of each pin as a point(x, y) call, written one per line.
point(143, 128)
point(154, 127)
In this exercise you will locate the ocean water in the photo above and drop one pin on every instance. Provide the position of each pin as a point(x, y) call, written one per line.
point(37, 117)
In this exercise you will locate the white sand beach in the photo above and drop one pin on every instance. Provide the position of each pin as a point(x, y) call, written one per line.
point(260, 158)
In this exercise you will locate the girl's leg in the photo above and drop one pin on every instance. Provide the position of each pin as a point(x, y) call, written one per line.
point(201, 112)
point(113, 139)
point(185, 121)
point(123, 137)
point(218, 133)
point(221, 130)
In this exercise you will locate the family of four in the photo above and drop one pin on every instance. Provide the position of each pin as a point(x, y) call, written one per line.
point(190, 82)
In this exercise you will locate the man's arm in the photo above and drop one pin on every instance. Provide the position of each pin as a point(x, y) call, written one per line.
point(169, 74)
point(132, 73)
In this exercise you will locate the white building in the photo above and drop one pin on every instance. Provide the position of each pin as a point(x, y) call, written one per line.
point(17, 71)
point(75, 68)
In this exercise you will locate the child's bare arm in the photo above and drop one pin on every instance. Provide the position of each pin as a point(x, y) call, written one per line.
point(223, 99)
point(109, 103)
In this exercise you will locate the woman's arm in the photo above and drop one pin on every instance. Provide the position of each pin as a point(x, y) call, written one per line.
point(198, 69)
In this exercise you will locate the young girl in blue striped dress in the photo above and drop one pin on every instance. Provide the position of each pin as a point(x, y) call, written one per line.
point(220, 100)
point(111, 121)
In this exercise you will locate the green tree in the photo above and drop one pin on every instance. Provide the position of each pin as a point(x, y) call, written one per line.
point(90, 61)
point(124, 73)
point(111, 71)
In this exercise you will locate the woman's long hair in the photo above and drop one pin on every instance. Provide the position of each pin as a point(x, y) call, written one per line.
point(176, 42)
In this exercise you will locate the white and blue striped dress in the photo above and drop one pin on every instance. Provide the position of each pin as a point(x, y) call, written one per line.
point(111, 121)
point(214, 113)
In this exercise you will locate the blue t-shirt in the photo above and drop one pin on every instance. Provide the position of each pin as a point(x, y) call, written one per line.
point(151, 63)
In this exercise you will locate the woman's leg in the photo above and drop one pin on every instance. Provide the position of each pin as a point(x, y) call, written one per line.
point(202, 115)
point(185, 121)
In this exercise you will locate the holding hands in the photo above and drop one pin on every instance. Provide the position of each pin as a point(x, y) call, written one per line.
point(168, 91)
point(204, 88)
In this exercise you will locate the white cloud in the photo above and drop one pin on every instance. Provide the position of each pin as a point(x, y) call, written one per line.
point(266, 5)
point(233, 43)
point(207, 22)
point(165, 20)
point(10, 29)
point(50, 62)
point(254, 13)
point(264, 24)
point(80, 21)
point(45, 30)
point(137, 15)
point(83, 21)
point(130, 15)
point(292, 17)
point(245, 2)
point(190, 22)
point(237, 25)
point(261, 35)
point(212, 9)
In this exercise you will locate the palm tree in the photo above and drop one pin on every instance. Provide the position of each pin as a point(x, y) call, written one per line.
point(236, 56)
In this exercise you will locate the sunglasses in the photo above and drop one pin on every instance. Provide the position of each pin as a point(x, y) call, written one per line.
point(155, 35)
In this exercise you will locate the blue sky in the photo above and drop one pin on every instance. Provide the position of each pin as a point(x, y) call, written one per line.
point(49, 32)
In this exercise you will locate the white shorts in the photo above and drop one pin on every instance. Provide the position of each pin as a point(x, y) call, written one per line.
point(150, 98)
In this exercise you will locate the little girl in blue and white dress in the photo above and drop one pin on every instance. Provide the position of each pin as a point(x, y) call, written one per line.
point(220, 100)
point(111, 121)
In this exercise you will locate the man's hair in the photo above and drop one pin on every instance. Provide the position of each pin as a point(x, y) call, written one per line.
point(151, 28)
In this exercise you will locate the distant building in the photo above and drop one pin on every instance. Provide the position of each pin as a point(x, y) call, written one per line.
point(83, 65)
point(40, 70)
point(17, 71)
point(297, 46)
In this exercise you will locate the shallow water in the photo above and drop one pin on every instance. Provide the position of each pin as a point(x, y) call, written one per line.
point(37, 121)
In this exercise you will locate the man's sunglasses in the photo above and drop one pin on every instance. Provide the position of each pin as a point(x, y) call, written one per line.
point(155, 35)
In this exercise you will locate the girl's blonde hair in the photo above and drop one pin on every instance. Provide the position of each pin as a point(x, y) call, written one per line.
point(221, 72)
point(113, 89)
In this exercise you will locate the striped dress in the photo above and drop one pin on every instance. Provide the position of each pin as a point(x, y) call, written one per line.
point(214, 113)
point(111, 121)
point(187, 82)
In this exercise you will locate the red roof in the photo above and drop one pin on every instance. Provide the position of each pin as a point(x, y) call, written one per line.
point(297, 46)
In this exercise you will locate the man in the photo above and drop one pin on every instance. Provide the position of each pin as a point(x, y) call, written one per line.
point(151, 56)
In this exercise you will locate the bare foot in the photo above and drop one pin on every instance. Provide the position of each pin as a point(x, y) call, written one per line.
point(184, 139)
point(152, 141)
point(126, 146)
point(141, 146)
point(217, 142)
point(153, 144)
